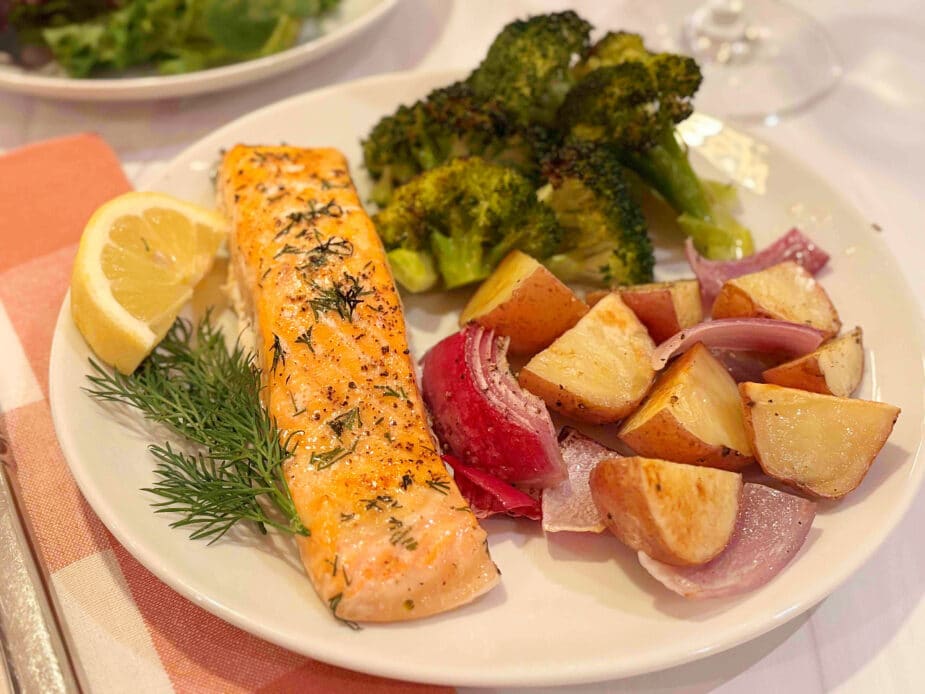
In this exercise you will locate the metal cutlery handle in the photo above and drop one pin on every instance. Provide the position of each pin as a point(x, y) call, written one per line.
point(31, 645)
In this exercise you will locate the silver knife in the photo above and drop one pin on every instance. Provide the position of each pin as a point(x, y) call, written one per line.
point(32, 648)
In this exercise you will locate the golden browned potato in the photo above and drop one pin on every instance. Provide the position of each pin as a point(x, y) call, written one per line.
point(821, 444)
point(693, 415)
point(835, 368)
point(598, 371)
point(678, 514)
point(596, 295)
point(784, 291)
point(665, 308)
point(524, 301)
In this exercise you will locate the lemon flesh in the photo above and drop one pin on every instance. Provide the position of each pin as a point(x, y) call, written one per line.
point(140, 257)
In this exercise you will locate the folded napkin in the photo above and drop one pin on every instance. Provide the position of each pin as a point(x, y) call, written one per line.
point(127, 631)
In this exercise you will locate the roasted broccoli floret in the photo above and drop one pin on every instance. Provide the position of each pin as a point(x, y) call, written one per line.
point(450, 122)
point(677, 77)
point(528, 68)
point(605, 238)
point(631, 99)
point(463, 217)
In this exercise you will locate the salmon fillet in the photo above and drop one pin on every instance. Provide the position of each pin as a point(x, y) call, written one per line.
point(391, 538)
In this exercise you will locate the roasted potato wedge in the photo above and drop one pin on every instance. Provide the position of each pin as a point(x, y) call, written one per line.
point(784, 291)
point(599, 370)
point(693, 415)
point(678, 514)
point(835, 368)
point(665, 308)
point(596, 295)
point(524, 301)
point(821, 444)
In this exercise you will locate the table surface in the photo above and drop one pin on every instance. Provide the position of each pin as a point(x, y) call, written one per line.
point(866, 137)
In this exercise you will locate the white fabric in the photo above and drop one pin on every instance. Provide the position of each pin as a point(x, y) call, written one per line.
point(122, 650)
point(19, 387)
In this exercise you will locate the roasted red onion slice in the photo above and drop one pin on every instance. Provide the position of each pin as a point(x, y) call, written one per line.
point(757, 334)
point(744, 365)
point(483, 416)
point(568, 505)
point(487, 495)
point(770, 529)
point(793, 245)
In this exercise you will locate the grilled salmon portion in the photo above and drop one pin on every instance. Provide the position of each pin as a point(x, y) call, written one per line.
point(391, 538)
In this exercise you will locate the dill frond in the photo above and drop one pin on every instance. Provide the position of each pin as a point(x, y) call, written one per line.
point(192, 384)
point(341, 298)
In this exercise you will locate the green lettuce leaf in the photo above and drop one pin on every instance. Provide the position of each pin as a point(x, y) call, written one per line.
point(178, 35)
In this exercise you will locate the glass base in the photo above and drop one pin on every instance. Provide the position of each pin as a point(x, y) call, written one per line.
point(760, 58)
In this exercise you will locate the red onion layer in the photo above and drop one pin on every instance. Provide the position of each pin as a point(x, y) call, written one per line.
point(712, 274)
point(756, 334)
point(770, 529)
point(487, 495)
point(483, 416)
point(744, 365)
point(568, 505)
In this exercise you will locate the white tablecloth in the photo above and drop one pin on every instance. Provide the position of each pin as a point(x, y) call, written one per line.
point(867, 138)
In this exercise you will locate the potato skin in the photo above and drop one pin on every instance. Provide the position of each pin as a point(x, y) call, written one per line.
point(663, 432)
point(665, 308)
point(595, 295)
point(559, 398)
point(804, 373)
point(695, 383)
point(784, 292)
point(819, 371)
point(823, 434)
point(733, 302)
point(535, 307)
point(599, 370)
point(681, 515)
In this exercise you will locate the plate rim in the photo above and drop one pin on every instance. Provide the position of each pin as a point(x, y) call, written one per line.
point(209, 80)
point(600, 670)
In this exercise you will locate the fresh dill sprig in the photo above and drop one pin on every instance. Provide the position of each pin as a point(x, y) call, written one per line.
point(322, 461)
point(333, 603)
point(318, 255)
point(341, 298)
point(439, 484)
point(279, 353)
point(288, 249)
point(347, 420)
point(195, 386)
point(306, 339)
point(315, 211)
point(390, 392)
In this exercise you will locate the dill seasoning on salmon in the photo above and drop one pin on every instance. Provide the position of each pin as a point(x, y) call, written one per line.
point(330, 330)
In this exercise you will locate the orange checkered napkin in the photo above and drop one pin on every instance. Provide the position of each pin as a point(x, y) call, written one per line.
point(126, 629)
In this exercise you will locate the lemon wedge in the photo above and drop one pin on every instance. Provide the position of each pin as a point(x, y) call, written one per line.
point(140, 256)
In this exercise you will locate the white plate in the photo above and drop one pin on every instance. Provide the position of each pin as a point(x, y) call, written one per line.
point(572, 607)
point(318, 38)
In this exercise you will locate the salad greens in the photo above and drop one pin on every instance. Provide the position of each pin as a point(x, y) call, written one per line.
point(177, 36)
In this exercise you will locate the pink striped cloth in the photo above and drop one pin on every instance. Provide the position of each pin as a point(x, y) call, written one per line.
point(128, 631)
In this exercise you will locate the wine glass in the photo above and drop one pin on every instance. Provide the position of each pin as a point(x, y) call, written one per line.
point(760, 58)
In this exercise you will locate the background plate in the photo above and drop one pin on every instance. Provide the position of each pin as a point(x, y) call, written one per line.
point(318, 38)
point(571, 608)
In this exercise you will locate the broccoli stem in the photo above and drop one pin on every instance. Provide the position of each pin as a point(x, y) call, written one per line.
point(726, 241)
point(666, 168)
point(460, 259)
point(414, 270)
